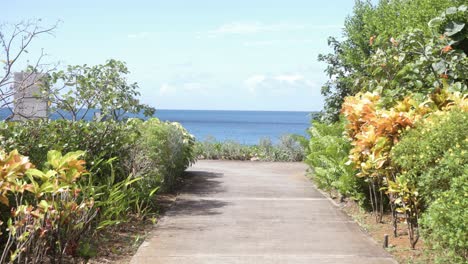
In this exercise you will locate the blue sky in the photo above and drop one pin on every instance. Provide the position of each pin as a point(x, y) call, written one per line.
point(198, 54)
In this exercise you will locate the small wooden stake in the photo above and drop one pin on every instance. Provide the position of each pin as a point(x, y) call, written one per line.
point(385, 241)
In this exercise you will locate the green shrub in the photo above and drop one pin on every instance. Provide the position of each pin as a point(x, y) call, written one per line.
point(167, 149)
point(445, 224)
point(99, 140)
point(140, 147)
point(207, 149)
point(433, 158)
point(328, 156)
point(290, 148)
point(265, 147)
point(150, 155)
point(232, 150)
point(387, 46)
point(434, 153)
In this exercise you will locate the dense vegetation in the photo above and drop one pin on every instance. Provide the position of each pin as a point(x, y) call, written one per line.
point(433, 158)
point(399, 79)
point(64, 181)
point(328, 157)
point(368, 54)
point(51, 205)
point(289, 148)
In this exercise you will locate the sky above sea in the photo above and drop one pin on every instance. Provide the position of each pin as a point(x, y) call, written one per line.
point(204, 54)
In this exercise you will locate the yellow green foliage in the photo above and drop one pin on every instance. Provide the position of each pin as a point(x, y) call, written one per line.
point(13, 167)
point(48, 214)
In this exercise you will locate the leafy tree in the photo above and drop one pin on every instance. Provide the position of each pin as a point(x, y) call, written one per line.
point(369, 27)
point(82, 88)
point(453, 23)
point(413, 63)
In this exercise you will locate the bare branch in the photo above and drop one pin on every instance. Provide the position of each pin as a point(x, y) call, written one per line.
point(15, 39)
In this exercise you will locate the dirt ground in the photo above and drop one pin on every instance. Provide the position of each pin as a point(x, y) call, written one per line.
point(399, 246)
point(118, 245)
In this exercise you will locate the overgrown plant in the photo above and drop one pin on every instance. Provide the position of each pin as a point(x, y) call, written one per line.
point(49, 215)
point(400, 78)
point(289, 148)
point(328, 157)
point(432, 157)
point(366, 49)
point(128, 163)
point(169, 151)
point(445, 222)
point(374, 131)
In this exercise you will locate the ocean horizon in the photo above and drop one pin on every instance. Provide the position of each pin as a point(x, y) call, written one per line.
point(246, 127)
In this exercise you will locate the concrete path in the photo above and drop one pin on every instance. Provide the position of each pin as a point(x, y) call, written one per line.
point(252, 212)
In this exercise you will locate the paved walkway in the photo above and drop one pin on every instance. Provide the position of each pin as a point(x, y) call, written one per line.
point(252, 212)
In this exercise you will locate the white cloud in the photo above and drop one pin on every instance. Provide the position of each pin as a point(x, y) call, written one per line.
point(237, 28)
point(166, 89)
point(290, 78)
point(254, 27)
point(192, 86)
point(255, 80)
point(278, 84)
point(182, 88)
point(195, 87)
point(262, 43)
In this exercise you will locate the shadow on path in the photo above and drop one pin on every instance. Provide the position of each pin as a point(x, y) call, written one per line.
point(199, 184)
point(196, 207)
point(202, 183)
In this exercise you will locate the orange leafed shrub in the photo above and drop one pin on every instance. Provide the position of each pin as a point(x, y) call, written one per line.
point(12, 167)
point(374, 129)
point(47, 211)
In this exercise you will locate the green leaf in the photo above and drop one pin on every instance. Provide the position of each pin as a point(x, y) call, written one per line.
point(453, 28)
point(435, 22)
point(36, 173)
point(153, 192)
point(451, 10)
point(73, 155)
point(439, 67)
point(43, 204)
point(53, 158)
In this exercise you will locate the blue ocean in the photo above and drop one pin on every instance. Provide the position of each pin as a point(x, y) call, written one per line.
point(246, 127)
